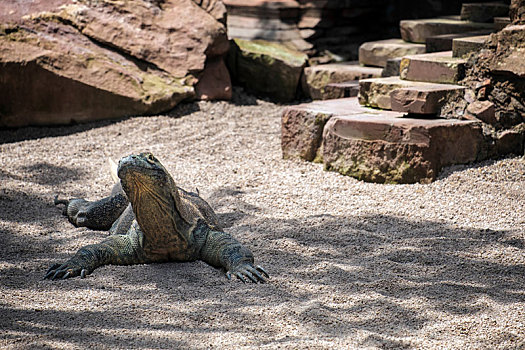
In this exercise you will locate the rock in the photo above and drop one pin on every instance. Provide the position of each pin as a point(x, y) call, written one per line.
point(501, 22)
point(215, 8)
point(418, 30)
point(461, 47)
point(341, 90)
point(316, 78)
point(105, 59)
point(511, 141)
point(376, 92)
point(52, 74)
point(278, 35)
point(484, 111)
point(12, 11)
point(517, 11)
point(436, 67)
point(510, 51)
point(214, 82)
point(302, 125)
point(285, 9)
point(263, 20)
point(424, 99)
point(392, 67)
point(483, 12)
point(163, 36)
point(376, 53)
point(267, 68)
point(444, 42)
point(301, 133)
point(397, 150)
point(274, 24)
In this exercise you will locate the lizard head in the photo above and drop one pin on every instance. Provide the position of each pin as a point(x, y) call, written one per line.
point(142, 172)
point(152, 192)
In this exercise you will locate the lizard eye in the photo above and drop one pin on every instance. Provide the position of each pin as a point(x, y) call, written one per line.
point(150, 158)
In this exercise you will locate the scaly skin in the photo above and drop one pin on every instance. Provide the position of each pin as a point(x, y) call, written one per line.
point(152, 220)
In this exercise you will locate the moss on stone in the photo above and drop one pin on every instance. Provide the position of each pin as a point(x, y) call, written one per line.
point(270, 51)
point(356, 167)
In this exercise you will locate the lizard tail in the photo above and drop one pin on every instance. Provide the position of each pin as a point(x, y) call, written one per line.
point(113, 169)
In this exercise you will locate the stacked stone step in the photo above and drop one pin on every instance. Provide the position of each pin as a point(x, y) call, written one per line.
point(335, 80)
point(338, 26)
point(315, 27)
point(268, 20)
point(392, 132)
point(376, 145)
point(383, 57)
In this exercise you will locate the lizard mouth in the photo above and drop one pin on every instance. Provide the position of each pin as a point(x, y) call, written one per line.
point(135, 164)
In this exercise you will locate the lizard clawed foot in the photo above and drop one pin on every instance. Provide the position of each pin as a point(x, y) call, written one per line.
point(66, 270)
point(248, 272)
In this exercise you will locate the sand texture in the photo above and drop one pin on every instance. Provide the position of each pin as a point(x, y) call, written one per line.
point(352, 264)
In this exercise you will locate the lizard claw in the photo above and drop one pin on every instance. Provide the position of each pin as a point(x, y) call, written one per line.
point(63, 271)
point(246, 270)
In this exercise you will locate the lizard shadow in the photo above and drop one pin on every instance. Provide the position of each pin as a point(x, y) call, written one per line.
point(11, 135)
point(27, 206)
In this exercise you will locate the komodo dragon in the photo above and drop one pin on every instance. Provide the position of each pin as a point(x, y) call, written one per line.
point(151, 220)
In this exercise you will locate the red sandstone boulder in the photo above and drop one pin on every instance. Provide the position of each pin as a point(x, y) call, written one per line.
point(105, 59)
point(302, 125)
point(397, 150)
point(267, 68)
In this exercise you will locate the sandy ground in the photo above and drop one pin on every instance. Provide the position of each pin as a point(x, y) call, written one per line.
point(353, 264)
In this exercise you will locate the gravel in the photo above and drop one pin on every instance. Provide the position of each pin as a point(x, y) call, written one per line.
point(353, 264)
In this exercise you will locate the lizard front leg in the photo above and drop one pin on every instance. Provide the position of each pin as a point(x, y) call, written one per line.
point(220, 249)
point(114, 250)
point(97, 215)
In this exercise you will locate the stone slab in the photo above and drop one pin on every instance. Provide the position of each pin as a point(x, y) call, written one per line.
point(426, 99)
point(383, 149)
point(444, 42)
point(376, 92)
point(302, 125)
point(263, 34)
point(392, 67)
point(501, 22)
point(376, 53)
point(483, 11)
point(260, 23)
point(263, 9)
point(341, 90)
point(316, 78)
point(463, 46)
point(436, 67)
point(418, 30)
